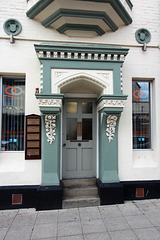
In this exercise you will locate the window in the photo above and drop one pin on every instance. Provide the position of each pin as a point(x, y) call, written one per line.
point(141, 114)
point(12, 114)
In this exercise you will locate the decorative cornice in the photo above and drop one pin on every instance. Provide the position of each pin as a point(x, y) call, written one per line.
point(111, 127)
point(56, 103)
point(80, 52)
point(50, 125)
point(111, 103)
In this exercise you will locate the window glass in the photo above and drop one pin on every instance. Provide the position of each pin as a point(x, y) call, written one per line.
point(71, 129)
point(13, 102)
point(86, 129)
point(86, 107)
point(71, 107)
point(141, 115)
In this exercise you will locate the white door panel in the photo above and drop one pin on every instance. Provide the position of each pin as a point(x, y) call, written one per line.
point(79, 138)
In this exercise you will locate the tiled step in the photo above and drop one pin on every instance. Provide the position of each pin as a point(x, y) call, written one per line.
point(76, 202)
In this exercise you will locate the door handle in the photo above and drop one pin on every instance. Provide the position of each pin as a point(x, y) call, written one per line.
point(79, 144)
point(64, 144)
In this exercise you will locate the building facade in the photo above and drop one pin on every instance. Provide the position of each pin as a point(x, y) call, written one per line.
point(79, 84)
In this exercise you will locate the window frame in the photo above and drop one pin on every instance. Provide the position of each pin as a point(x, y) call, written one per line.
point(1, 88)
point(150, 81)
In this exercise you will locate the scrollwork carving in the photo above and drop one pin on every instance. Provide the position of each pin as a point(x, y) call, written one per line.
point(111, 127)
point(50, 125)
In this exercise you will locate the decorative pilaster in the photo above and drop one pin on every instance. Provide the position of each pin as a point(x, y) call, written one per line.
point(50, 106)
point(110, 108)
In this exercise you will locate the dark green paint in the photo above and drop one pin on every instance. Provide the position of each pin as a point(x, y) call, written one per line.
point(116, 4)
point(81, 27)
point(51, 155)
point(129, 4)
point(37, 8)
point(80, 14)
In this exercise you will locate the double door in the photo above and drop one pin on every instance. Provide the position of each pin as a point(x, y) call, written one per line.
point(79, 138)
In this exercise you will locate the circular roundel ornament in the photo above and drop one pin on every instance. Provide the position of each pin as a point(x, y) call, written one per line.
point(143, 35)
point(12, 26)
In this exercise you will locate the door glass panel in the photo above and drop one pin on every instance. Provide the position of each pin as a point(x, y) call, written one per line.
point(71, 107)
point(86, 129)
point(71, 129)
point(86, 107)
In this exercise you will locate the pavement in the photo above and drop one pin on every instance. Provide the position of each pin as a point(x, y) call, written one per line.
point(130, 221)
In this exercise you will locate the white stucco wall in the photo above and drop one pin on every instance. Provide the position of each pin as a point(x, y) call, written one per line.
point(20, 59)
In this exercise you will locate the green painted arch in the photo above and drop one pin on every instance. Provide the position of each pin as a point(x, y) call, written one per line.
point(80, 14)
point(81, 27)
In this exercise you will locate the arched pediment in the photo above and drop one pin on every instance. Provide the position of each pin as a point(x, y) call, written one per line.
point(76, 81)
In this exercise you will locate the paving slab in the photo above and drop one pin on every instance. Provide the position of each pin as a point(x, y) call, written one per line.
point(47, 217)
point(116, 223)
point(97, 236)
point(27, 211)
point(9, 213)
point(93, 226)
point(129, 209)
point(138, 221)
point(52, 238)
point(123, 235)
point(6, 221)
point(69, 229)
point(89, 213)
point(109, 211)
point(146, 205)
point(69, 215)
point(153, 217)
point(147, 234)
point(44, 231)
point(3, 232)
point(19, 233)
point(78, 237)
point(24, 219)
point(156, 202)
